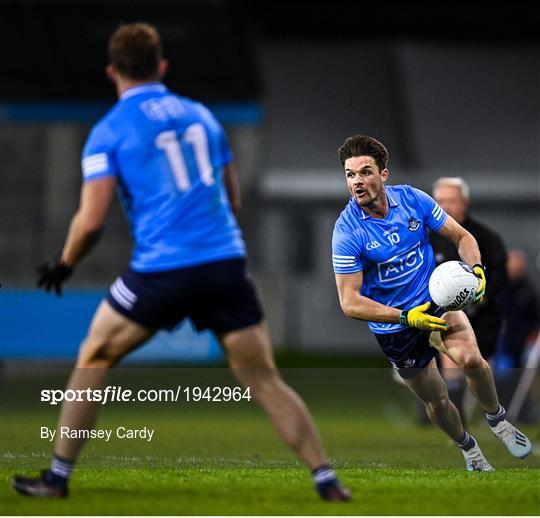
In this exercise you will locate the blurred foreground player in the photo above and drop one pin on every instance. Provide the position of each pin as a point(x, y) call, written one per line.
point(382, 261)
point(486, 317)
point(171, 161)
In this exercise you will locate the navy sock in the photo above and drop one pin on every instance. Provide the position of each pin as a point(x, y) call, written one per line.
point(495, 418)
point(467, 442)
point(324, 477)
point(59, 472)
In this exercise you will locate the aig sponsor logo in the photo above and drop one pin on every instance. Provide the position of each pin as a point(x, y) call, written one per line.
point(401, 265)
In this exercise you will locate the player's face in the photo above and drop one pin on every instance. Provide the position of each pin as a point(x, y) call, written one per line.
point(364, 179)
point(451, 199)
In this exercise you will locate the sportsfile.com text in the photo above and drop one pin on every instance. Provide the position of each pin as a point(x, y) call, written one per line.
point(118, 394)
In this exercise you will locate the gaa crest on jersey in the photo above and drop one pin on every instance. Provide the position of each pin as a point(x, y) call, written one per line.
point(414, 224)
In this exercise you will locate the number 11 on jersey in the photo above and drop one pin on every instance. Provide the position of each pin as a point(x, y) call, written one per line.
point(194, 135)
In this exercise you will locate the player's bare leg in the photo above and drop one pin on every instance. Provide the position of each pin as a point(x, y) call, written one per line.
point(429, 386)
point(110, 338)
point(459, 343)
point(455, 383)
point(251, 360)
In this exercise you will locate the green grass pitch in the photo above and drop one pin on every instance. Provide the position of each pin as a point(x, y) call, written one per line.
point(224, 459)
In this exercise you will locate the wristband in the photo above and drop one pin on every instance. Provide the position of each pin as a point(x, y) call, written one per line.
point(403, 318)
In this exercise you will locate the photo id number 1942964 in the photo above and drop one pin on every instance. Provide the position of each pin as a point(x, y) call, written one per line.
point(216, 394)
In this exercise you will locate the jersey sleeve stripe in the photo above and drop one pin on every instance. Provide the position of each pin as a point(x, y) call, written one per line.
point(95, 176)
point(91, 163)
point(348, 269)
point(335, 256)
point(98, 168)
point(438, 213)
point(351, 260)
point(94, 158)
point(98, 163)
point(94, 163)
point(87, 176)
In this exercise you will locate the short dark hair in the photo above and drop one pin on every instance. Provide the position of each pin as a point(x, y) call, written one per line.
point(362, 145)
point(135, 50)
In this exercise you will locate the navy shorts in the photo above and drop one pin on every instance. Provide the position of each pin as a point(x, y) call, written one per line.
point(219, 296)
point(409, 350)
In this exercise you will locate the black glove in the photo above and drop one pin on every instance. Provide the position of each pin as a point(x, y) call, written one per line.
point(52, 274)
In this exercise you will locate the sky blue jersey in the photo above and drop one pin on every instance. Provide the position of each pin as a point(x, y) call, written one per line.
point(168, 154)
point(393, 253)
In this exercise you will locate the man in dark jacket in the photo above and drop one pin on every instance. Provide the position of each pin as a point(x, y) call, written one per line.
point(452, 194)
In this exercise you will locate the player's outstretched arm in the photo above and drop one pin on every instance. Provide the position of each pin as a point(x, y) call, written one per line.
point(468, 251)
point(84, 231)
point(463, 240)
point(86, 225)
point(357, 306)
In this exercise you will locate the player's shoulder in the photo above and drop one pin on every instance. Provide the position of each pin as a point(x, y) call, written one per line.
point(405, 191)
point(106, 128)
point(198, 111)
point(410, 195)
point(204, 112)
point(399, 189)
point(191, 105)
point(345, 218)
point(349, 225)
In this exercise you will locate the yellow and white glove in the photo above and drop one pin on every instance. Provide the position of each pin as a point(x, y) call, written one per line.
point(417, 317)
point(478, 270)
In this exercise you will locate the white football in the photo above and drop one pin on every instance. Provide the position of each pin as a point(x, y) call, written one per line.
point(453, 285)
